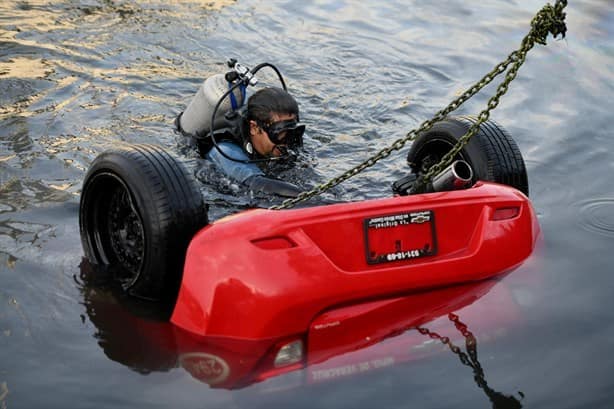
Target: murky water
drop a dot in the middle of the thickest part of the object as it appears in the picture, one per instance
(77, 77)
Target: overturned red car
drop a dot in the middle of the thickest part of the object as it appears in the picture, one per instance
(283, 276)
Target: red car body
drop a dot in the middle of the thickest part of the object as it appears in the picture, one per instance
(270, 274)
(364, 338)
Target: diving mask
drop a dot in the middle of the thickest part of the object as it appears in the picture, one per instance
(288, 132)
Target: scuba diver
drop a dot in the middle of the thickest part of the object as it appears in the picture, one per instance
(237, 137)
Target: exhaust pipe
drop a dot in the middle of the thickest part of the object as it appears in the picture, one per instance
(456, 176)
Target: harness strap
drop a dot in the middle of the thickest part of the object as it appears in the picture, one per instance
(233, 100)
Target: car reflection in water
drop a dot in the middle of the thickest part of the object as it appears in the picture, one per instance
(344, 342)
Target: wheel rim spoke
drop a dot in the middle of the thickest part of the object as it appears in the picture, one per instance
(126, 235)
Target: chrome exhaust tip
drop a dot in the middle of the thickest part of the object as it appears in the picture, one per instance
(457, 175)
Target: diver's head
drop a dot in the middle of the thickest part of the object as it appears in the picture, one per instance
(273, 121)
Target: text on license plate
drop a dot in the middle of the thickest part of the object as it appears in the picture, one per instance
(401, 236)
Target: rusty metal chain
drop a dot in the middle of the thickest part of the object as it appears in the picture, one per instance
(547, 17)
(549, 20)
(471, 357)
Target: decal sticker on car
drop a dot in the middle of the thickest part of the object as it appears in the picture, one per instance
(208, 368)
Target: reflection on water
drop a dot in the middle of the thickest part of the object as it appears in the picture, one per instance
(139, 337)
(25, 68)
(77, 78)
(470, 359)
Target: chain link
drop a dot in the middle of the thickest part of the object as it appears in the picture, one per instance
(550, 19)
(470, 359)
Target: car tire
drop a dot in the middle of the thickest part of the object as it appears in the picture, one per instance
(139, 209)
(492, 153)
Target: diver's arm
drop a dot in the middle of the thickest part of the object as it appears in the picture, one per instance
(249, 174)
(235, 170)
(269, 185)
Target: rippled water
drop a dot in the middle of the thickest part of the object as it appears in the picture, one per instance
(77, 77)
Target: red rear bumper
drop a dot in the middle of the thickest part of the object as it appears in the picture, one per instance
(266, 274)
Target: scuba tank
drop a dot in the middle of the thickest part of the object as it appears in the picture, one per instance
(196, 119)
(218, 96)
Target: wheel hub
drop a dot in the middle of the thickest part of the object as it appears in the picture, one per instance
(126, 234)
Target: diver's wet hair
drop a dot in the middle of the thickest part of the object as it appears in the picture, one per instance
(268, 100)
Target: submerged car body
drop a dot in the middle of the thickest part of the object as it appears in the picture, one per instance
(267, 274)
(366, 337)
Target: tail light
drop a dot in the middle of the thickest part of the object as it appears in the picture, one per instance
(504, 213)
(284, 356)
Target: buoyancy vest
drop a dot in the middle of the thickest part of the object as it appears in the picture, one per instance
(235, 129)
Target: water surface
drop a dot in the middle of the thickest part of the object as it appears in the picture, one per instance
(78, 77)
